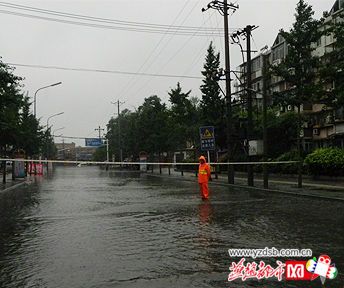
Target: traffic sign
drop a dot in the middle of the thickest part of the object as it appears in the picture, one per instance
(207, 136)
(94, 142)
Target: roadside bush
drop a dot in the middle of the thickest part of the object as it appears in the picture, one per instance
(285, 168)
(326, 161)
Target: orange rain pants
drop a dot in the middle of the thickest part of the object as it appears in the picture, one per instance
(204, 190)
(203, 178)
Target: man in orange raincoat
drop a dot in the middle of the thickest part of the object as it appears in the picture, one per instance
(203, 177)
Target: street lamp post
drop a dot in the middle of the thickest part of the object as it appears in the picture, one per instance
(57, 129)
(57, 114)
(54, 131)
(34, 101)
(47, 146)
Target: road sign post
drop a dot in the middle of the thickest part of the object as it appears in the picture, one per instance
(207, 137)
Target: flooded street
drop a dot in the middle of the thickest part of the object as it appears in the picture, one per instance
(86, 227)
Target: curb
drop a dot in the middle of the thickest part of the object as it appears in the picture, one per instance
(13, 187)
(257, 188)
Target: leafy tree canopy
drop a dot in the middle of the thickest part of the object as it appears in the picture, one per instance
(298, 68)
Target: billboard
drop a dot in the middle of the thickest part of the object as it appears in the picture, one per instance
(93, 142)
(19, 169)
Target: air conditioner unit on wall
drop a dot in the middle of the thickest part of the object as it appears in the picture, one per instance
(316, 131)
(277, 62)
(328, 119)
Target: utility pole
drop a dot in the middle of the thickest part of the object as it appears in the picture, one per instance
(107, 153)
(119, 129)
(223, 8)
(119, 134)
(63, 149)
(107, 150)
(99, 131)
(247, 32)
(298, 139)
(265, 130)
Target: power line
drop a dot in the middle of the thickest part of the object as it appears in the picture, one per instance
(174, 55)
(126, 88)
(103, 20)
(166, 44)
(123, 25)
(101, 71)
(202, 49)
(69, 137)
(128, 29)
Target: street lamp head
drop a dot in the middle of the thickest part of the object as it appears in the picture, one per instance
(57, 114)
(34, 101)
(58, 129)
(55, 84)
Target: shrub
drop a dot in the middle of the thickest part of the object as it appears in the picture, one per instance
(326, 161)
(290, 168)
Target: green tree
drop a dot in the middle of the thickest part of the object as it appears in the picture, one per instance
(11, 101)
(212, 104)
(282, 132)
(183, 126)
(153, 126)
(299, 67)
(332, 71)
(143, 130)
(48, 148)
(100, 154)
(30, 135)
(128, 128)
(19, 129)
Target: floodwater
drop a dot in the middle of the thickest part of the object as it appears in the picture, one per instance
(86, 227)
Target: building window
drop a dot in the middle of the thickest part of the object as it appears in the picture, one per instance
(256, 64)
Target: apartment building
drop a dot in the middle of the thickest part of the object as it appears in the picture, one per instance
(71, 152)
(65, 151)
(323, 126)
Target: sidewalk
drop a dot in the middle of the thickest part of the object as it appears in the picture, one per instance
(10, 184)
(326, 189)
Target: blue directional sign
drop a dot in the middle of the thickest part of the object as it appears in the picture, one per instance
(207, 136)
(94, 142)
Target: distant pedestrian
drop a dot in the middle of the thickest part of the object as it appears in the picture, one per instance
(204, 176)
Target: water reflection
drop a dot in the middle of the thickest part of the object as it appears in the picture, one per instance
(205, 210)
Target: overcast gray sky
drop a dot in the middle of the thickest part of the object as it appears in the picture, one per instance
(85, 97)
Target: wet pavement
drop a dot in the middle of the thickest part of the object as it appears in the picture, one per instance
(286, 184)
(86, 227)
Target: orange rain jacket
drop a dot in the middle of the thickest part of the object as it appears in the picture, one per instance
(203, 171)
